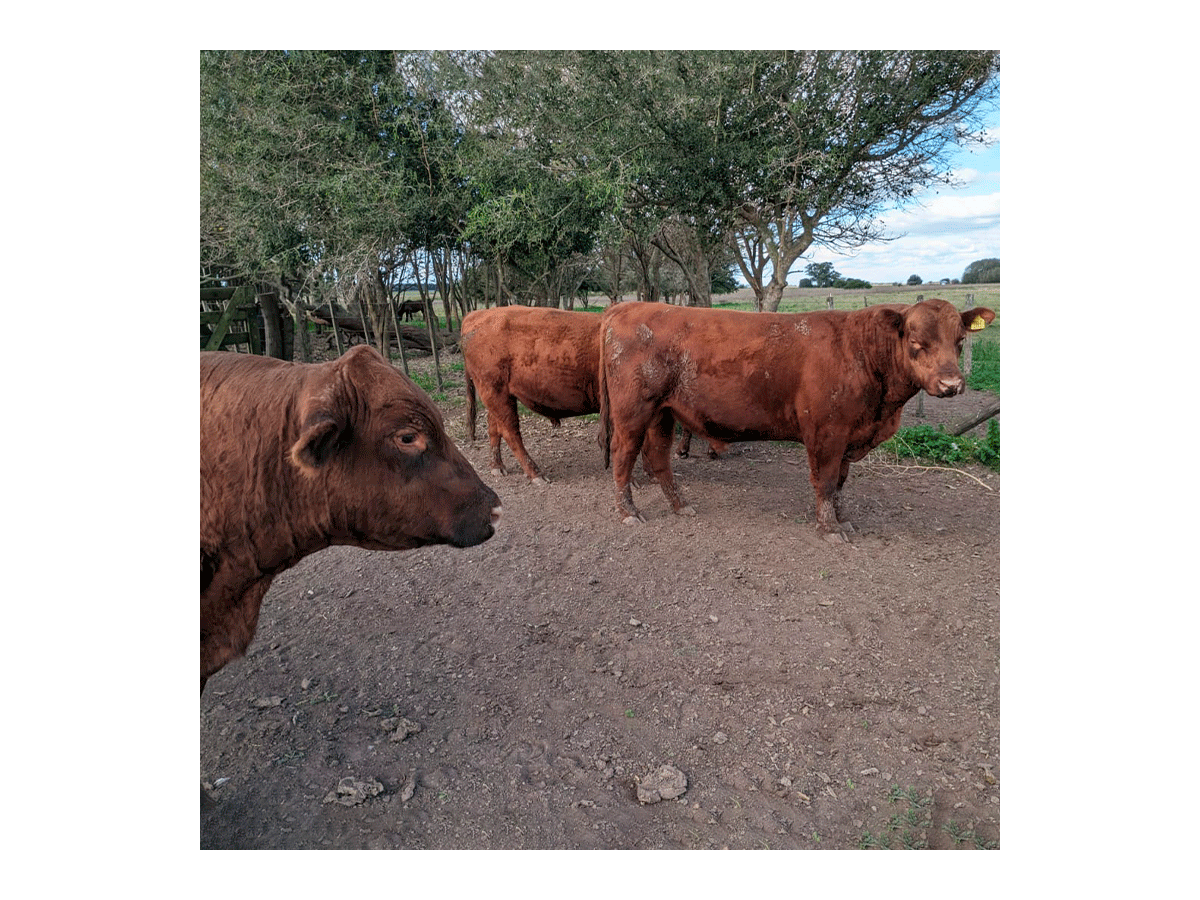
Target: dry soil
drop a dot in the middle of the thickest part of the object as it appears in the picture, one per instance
(528, 692)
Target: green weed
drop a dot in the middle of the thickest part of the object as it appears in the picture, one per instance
(909, 826)
(934, 444)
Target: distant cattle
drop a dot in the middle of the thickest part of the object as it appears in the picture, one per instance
(407, 309)
(835, 381)
(298, 457)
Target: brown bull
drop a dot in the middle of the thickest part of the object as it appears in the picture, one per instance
(296, 457)
(835, 381)
(548, 359)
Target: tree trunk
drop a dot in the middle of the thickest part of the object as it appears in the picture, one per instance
(373, 301)
(297, 347)
(751, 256)
(268, 301)
(399, 337)
(683, 246)
(773, 294)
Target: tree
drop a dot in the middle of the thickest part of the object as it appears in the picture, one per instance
(648, 125)
(982, 271)
(822, 274)
(301, 181)
(322, 172)
(723, 280)
(847, 134)
(913, 280)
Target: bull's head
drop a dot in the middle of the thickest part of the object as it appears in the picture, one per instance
(373, 447)
(931, 336)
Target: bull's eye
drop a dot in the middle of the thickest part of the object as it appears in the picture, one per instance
(409, 440)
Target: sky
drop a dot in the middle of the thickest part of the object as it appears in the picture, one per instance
(943, 232)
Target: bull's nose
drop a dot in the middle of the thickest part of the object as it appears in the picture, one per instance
(948, 387)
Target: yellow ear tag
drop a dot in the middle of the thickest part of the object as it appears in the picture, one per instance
(977, 324)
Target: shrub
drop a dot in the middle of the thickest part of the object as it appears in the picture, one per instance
(934, 444)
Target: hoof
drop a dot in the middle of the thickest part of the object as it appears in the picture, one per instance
(633, 520)
(539, 479)
(685, 510)
(835, 537)
(498, 470)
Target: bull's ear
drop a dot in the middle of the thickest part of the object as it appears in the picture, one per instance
(318, 441)
(891, 320)
(977, 319)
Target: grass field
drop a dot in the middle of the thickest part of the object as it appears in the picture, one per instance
(809, 299)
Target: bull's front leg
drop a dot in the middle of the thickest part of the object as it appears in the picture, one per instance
(827, 471)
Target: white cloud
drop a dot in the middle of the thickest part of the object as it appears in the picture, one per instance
(965, 176)
(948, 213)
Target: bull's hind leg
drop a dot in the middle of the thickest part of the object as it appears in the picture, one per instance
(494, 443)
(625, 448)
(508, 425)
(658, 461)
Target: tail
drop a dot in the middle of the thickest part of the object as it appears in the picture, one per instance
(604, 438)
(470, 406)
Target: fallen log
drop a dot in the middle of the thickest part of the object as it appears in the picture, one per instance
(982, 416)
(414, 337)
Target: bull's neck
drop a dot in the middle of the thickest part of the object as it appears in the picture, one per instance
(293, 524)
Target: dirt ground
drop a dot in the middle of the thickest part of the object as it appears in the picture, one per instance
(522, 694)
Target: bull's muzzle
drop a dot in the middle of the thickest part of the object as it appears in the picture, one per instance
(948, 386)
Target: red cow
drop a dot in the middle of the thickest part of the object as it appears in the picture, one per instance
(548, 359)
(835, 381)
(298, 457)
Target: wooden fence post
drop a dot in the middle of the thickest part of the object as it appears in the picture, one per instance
(965, 425)
(966, 353)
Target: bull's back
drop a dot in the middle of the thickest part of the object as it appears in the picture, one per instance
(727, 374)
(234, 375)
(545, 358)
